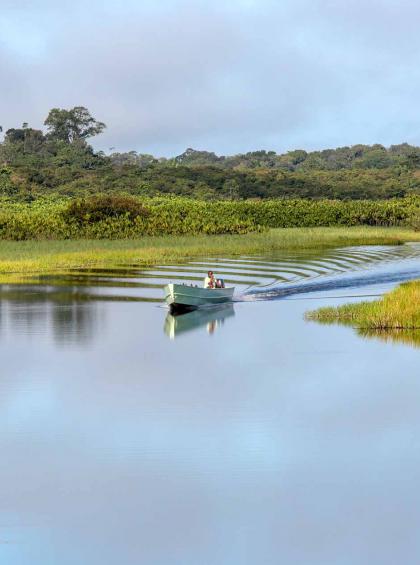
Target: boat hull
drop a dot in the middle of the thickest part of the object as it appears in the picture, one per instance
(181, 297)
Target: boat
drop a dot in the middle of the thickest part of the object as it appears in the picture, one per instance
(181, 297)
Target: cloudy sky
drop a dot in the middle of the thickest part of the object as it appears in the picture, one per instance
(224, 75)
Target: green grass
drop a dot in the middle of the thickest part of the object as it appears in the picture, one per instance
(395, 317)
(22, 258)
(397, 310)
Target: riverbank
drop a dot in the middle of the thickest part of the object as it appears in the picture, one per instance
(397, 310)
(23, 258)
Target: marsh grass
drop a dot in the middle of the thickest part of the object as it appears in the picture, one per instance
(395, 317)
(18, 259)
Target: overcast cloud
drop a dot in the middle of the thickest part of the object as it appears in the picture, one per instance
(227, 76)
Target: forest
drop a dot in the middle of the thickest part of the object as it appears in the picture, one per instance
(59, 160)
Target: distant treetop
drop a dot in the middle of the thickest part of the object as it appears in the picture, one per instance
(71, 125)
(60, 159)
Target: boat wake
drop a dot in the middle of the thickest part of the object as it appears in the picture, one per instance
(329, 284)
(267, 277)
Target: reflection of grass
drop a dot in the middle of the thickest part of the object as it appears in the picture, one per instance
(21, 258)
(409, 337)
(395, 317)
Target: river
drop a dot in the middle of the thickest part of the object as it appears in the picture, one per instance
(239, 436)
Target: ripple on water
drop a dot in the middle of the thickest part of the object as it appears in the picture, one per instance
(255, 277)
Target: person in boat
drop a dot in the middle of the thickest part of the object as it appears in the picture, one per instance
(211, 282)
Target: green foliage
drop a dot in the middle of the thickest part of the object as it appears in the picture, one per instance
(98, 208)
(414, 221)
(61, 161)
(211, 182)
(119, 217)
(355, 157)
(6, 185)
(72, 125)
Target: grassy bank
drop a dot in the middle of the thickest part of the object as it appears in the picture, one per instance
(397, 310)
(393, 318)
(29, 257)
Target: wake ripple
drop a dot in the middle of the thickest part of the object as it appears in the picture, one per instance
(255, 277)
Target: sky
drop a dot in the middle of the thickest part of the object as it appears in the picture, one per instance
(228, 76)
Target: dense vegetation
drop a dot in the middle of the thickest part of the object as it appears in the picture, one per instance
(53, 185)
(119, 216)
(59, 160)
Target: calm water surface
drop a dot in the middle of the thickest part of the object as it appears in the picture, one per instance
(241, 436)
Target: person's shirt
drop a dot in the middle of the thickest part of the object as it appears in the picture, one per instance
(209, 282)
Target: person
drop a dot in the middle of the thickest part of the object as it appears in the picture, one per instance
(210, 280)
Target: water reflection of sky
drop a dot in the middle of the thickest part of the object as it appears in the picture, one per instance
(272, 440)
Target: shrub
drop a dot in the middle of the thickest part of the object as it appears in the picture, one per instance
(415, 221)
(6, 185)
(121, 216)
(94, 209)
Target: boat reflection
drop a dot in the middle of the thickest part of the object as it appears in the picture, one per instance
(213, 318)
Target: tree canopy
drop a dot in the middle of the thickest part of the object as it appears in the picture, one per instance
(72, 125)
(60, 160)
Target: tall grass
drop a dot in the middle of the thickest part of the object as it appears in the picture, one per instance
(397, 310)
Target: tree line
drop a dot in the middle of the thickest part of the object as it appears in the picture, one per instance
(60, 160)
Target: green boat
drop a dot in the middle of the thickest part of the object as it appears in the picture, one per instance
(181, 297)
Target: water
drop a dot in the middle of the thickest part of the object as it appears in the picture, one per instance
(240, 436)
